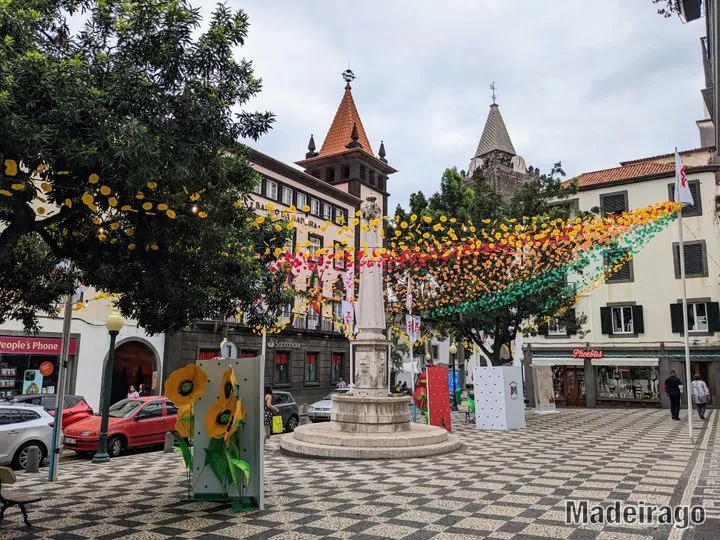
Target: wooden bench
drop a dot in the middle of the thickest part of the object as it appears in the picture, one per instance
(7, 476)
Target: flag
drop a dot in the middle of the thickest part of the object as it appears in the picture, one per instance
(682, 188)
(408, 297)
(347, 313)
(409, 327)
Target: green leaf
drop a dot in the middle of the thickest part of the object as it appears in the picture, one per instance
(243, 465)
(217, 460)
(184, 450)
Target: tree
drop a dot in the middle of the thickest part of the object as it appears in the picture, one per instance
(120, 153)
(540, 198)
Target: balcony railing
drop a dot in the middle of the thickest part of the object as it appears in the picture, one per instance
(326, 325)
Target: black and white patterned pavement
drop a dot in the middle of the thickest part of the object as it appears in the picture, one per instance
(505, 485)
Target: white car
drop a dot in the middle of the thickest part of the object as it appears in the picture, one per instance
(320, 410)
(21, 428)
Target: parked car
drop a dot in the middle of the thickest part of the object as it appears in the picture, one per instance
(320, 410)
(22, 427)
(288, 409)
(75, 408)
(133, 423)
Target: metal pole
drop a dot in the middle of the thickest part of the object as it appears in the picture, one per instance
(685, 327)
(101, 456)
(56, 448)
(454, 401)
(263, 347)
(352, 366)
(412, 382)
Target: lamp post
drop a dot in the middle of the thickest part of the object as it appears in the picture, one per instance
(114, 324)
(453, 351)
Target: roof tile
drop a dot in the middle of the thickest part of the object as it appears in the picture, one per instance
(628, 172)
(338, 135)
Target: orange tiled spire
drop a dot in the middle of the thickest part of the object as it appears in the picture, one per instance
(340, 133)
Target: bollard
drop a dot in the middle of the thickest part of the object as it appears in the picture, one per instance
(34, 455)
(169, 443)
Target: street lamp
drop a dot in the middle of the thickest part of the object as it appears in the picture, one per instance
(453, 352)
(114, 324)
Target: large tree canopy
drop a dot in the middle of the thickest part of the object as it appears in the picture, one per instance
(477, 205)
(119, 151)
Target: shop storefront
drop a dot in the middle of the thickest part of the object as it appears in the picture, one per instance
(28, 365)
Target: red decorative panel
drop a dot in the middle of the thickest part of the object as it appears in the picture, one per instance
(439, 397)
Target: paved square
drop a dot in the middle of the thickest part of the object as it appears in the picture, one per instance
(506, 485)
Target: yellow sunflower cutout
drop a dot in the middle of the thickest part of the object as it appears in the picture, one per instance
(238, 415)
(185, 385)
(185, 421)
(228, 385)
(219, 418)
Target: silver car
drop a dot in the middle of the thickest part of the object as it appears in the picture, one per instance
(23, 427)
(320, 410)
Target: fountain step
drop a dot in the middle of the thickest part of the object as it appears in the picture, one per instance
(290, 445)
(331, 434)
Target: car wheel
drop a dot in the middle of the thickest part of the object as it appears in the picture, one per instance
(114, 446)
(21, 456)
(292, 423)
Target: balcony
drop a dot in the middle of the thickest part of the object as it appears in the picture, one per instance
(309, 323)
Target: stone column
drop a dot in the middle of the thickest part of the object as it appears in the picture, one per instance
(371, 361)
(590, 385)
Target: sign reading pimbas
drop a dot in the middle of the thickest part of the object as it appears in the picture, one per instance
(582, 353)
(639, 513)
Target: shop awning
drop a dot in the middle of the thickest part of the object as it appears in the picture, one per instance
(610, 361)
(558, 361)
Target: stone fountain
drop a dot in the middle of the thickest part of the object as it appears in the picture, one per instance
(367, 422)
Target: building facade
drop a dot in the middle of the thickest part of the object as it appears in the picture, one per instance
(312, 354)
(633, 336)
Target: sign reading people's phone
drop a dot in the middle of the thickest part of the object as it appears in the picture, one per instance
(34, 345)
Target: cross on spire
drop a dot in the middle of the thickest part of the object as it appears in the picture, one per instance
(493, 88)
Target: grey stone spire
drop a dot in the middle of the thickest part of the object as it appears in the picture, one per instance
(381, 152)
(311, 148)
(495, 135)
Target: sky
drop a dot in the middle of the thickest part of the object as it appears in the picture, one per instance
(586, 83)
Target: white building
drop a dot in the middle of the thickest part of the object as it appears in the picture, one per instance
(633, 334)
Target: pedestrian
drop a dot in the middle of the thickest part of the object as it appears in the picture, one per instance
(132, 393)
(342, 383)
(700, 395)
(270, 411)
(141, 389)
(673, 388)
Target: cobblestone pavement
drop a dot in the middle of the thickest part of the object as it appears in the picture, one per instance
(506, 485)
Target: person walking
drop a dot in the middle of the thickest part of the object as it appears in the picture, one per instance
(132, 393)
(700, 395)
(270, 411)
(673, 386)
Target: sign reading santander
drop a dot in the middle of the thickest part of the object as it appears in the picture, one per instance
(34, 345)
(582, 353)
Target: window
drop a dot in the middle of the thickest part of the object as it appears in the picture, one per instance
(279, 398)
(702, 316)
(151, 410)
(628, 382)
(6, 417)
(271, 190)
(282, 367)
(372, 178)
(315, 207)
(690, 210)
(340, 216)
(290, 242)
(622, 320)
(434, 352)
(623, 274)
(557, 327)
(330, 174)
(286, 312)
(363, 172)
(614, 203)
(327, 211)
(170, 408)
(311, 367)
(208, 354)
(313, 317)
(695, 259)
(257, 188)
(381, 182)
(338, 256)
(248, 354)
(287, 195)
(316, 243)
(345, 172)
(301, 199)
(338, 359)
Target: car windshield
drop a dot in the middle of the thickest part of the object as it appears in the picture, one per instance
(335, 392)
(124, 408)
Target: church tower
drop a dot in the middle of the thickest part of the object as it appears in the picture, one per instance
(496, 158)
(346, 159)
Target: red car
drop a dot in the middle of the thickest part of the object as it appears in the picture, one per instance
(75, 408)
(133, 423)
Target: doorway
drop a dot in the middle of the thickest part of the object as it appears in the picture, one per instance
(569, 385)
(135, 365)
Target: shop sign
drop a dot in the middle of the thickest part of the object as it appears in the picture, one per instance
(582, 353)
(34, 345)
(284, 214)
(284, 344)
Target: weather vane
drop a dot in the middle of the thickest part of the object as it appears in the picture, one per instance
(348, 75)
(493, 88)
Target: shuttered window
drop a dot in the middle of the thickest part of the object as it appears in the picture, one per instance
(695, 259)
(702, 317)
(614, 203)
(622, 274)
(691, 210)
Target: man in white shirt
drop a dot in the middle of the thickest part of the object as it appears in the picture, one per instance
(700, 395)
